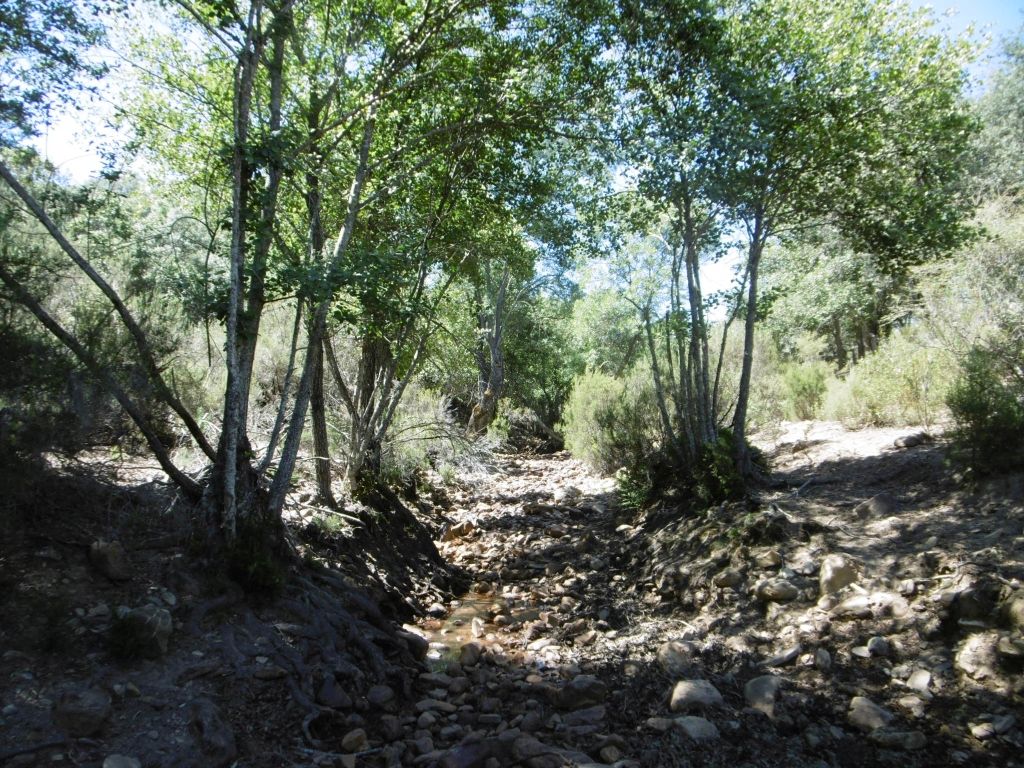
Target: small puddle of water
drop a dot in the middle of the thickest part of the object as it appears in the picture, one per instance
(447, 636)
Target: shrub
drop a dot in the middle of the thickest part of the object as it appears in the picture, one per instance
(987, 404)
(715, 478)
(805, 385)
(903, 382)
(611, 423)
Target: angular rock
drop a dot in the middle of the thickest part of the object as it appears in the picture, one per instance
(978, 655)
(121, 761)
(150, 628)
(912, 440)
(110, 559)
(589, 716)
(770, 558)
(212, 735)
(837, 571)
(729, 578)
(459, 531)
(582, 691)
(777, 591)
(417, 644)
(919, 681)
(355, 741)
(1012, 610)
(435, 705)
(694, 694)
(330, 694)
(697, 728)
(82, 713)
(881, 505)
(891, 739)
(761, 693)
(781, 659)
(856, 607)
(676, 657)
(866, 715)
(470, 653)
(380, 695)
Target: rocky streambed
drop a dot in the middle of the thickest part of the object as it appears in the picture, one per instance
(865, 610)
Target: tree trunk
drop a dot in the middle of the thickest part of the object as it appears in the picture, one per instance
(492, 370)
(321, 445)
(739, 422)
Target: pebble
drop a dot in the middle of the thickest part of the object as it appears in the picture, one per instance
(121, 761)
(676, 657)
(879, 646)
(919, 681)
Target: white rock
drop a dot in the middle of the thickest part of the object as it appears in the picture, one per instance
(837, 571)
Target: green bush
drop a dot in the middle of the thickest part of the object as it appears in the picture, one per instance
(805, 385)
(987, 404)
(611, 423)
(716, 479)
(903, 382)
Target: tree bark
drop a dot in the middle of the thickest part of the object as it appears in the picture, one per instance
(739, 422)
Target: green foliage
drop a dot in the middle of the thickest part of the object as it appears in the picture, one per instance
(715, 478)
(42, 55)
(425, 435)
(805, 385)
(612, 424)
(903, 382)
(999, 146)
(987, 403)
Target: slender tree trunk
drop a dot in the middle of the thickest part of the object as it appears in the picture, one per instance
(659, 392)
(233, 430)
(289, 454)
(756, 248)
(321, 445)
(251, 314)
(492, 385)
